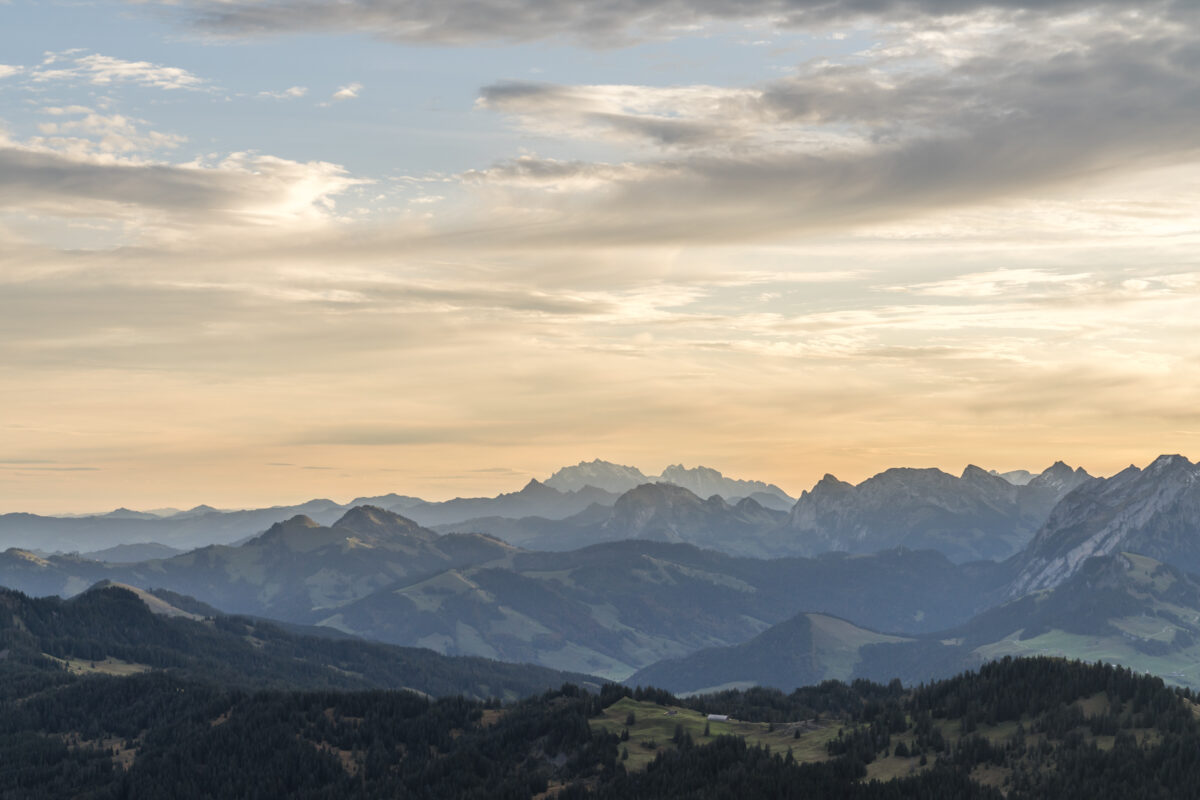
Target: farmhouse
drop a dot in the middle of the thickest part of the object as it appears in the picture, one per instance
(718, 718)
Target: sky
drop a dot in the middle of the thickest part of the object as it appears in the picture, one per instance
(257, 251)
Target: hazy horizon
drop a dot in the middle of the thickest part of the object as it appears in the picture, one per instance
(517, 481)
(257, 252)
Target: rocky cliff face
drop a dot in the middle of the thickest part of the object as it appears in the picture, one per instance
(706, 481)
(977, 515)
(601, 474)
(1154, 511)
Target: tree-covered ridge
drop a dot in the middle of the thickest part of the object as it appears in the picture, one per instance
(1032, 728)
(112, 625)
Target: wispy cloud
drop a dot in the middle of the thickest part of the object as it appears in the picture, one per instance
(291, 93)
(82, 132)
(348, 92)
(102, 70)
(601, 23)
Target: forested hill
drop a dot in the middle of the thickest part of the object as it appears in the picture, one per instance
(1035, 728)
(112, 631)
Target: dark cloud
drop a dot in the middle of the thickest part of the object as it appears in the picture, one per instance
(600, 22)
(242, 188)
(1002, 123)
(28, 176)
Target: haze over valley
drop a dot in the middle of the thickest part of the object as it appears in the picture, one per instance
(916, 571)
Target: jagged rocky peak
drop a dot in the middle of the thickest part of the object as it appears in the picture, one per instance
(749, 505)
(975, 515)
(1062, 477)
(1165, 463)
(912, 476)
(1152, 511)
(706, 481)
(716, 502)
(829, 485)
(982, 476)
(679, 471)
(908, 482)
(601, 474)
(537, 488)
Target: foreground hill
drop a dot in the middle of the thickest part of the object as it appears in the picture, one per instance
(1124, 609)
(118, 630)
(1022, 729)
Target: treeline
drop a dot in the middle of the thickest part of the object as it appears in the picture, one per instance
(1077, 730)
(1066, 729)
(236, 651)
(195, 740)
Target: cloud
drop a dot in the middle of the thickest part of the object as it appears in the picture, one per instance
(102, 70)
(999, 282)
(903, 132)
(603, 22)
(8, 70)
(88, 133)
(287, 94)
(242, 188)
(348, 92)
(678, 116)
(59, 111)
(982, 222)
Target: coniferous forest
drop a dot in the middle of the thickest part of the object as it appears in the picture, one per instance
(1021, 728)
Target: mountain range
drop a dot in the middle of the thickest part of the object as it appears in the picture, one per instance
(976, 516)
(917, 572)
(660, 512)
(560, 497)
(607, 609)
